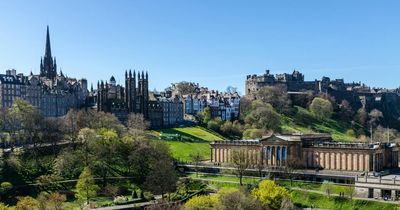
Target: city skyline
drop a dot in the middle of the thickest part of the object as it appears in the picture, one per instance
(108, 40)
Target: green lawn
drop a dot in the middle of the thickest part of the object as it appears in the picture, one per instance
(189, 133)
(308, 199)
(181, 151)
(248, 180)
(184, 142)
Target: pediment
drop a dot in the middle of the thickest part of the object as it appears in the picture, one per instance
(279, 138)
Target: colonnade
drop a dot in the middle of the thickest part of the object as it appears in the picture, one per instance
(337, 160)
(224, 155)
(275, 155)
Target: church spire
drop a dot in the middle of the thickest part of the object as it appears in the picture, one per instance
(48, 47)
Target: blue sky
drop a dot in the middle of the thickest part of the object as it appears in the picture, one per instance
(214, 43)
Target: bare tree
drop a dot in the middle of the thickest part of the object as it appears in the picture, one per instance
(137, 122)
(240, 162)
(196, 159)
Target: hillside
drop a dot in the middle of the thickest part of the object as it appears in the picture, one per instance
(304, 122)
(184, 142)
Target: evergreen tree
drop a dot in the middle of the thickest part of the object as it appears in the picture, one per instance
(86, 188)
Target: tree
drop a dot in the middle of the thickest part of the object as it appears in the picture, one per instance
(237, 199)
(270, 194)
(346, 112)
(27, 203)
(104, 151)
(137, 122)
(375, 116)
(196, 159)
(263, 116)
(56, 200)
(202, 202)
(253, 134)
(327, 187)
(350, 191)
(321, 108)
(205, 115)
(240, 163)
(361, 116)
(184, 87)
(162, 178)
(70, 124)
(275, 95)
(86, 187)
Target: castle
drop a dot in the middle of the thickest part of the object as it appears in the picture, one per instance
(357, 94)
(51, 92)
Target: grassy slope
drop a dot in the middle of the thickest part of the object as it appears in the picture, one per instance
(337, 128)
(196, 140)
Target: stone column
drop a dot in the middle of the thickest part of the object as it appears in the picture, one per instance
(361, 164)
(211, 154)
(344, 161)
(328, 160)
(355, 162)
(349, 162)
(322, 159)
(374, 163)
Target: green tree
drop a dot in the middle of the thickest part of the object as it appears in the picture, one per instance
(205, 115)
(203, 202)
(86, 187)
(321, 108)
(240, 163)
(162, 177)
(263, 116)
(270, 194)
(253, 133)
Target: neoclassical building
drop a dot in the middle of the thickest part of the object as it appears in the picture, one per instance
(312, 151)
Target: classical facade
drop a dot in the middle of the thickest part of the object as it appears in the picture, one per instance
(312, 151)
(51, 92)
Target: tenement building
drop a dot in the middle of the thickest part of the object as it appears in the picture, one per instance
(312, 151)
(51, 92)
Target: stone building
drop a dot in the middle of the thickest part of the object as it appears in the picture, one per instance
(312, 151)
(121, 101)
(51, 92)
(135, 97)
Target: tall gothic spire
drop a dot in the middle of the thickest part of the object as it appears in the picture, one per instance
(48, 47)
(48, 67)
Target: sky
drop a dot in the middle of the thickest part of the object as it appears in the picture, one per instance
(212, 42)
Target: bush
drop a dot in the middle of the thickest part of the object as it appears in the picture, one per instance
(321, 108)
(253, 134)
